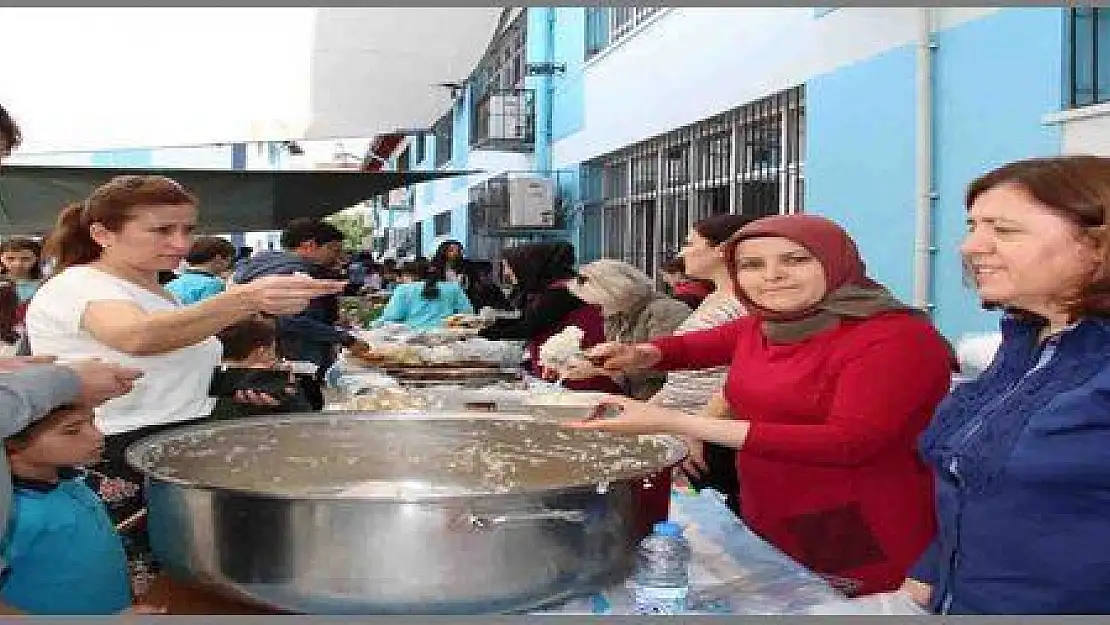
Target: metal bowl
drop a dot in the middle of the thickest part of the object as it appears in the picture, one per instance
(399, 512)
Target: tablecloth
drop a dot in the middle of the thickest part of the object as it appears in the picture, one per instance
(733, 570)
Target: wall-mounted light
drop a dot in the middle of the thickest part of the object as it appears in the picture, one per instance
(455, 88)
(545, 69)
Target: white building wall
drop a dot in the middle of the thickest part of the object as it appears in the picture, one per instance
(692, 63)
(1086, 130)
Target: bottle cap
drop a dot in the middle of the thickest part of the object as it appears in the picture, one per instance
(667, 528)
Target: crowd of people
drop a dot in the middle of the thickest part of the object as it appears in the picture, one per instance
(821, 405)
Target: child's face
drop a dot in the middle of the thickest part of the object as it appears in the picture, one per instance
(265, 356)
(69, 438)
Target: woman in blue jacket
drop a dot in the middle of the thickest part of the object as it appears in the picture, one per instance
(426, 301)
(1021, 455)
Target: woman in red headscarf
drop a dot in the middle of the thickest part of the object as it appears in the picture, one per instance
(832, 379)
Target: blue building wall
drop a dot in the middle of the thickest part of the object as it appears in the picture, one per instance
(995, 78)
(860, 159)
(123, 158)
(568, 92)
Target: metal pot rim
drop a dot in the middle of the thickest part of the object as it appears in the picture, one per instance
(676, 452)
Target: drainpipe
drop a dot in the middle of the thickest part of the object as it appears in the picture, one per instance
(924, 244)
(548, 94)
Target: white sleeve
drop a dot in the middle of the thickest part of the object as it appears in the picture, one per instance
(67, 297)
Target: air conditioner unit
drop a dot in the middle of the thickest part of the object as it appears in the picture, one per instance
(531, 203)
(479, 219)
(506, 117)
(399, 197)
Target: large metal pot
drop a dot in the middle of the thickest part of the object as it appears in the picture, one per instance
(398, 513)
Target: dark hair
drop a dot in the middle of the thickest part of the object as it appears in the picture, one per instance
(207, 249)
(306, 229)
(675, 265)
(439, 259)
(718, 228)
(23, 244)
(242, 338)
(421, 270)
(110, 205)
(537, 265)
(10, 132)
(22, 438)
(9, 307)
(1077, 188)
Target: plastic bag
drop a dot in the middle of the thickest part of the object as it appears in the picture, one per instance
(740, 573)
(733, 571)
(886, 604)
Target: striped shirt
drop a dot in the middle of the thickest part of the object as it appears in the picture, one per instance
(689, 391)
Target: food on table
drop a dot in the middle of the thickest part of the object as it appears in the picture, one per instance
(388, 355)
(464, 321)
(562, 348)
(385, 399)
(333, 455)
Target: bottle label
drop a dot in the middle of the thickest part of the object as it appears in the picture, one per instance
(660, 600)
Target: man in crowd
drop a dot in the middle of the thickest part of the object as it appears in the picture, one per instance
(312, 247)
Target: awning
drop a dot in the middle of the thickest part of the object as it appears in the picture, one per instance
(95, 78)
(230, 201)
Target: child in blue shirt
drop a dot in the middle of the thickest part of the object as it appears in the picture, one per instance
(424, 301)
(208, 259)
(64, 554)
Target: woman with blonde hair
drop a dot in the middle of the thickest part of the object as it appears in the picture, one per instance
(633, 310)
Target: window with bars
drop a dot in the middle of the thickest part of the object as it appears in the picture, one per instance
(607, 25)
(503, 65)
(747, 161)
(1088, 56)
(414, 241)
(444, 130)
(418, 143)
(441, 224)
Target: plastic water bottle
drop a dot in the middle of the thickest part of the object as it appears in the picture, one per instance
(662, 578)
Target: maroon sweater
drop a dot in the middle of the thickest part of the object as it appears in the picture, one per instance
(830, 472)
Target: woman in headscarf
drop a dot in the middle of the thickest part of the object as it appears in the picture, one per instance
(540, 273)
(832, 379)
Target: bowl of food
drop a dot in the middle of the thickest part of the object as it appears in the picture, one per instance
(564, 405)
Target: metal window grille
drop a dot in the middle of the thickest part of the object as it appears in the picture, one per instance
(647, 196)
(414, 242)
(502, 67)
(444, 130)
(418, 146)
(441, 224)
(1088, 42)
(504, 119)
(607, 25)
